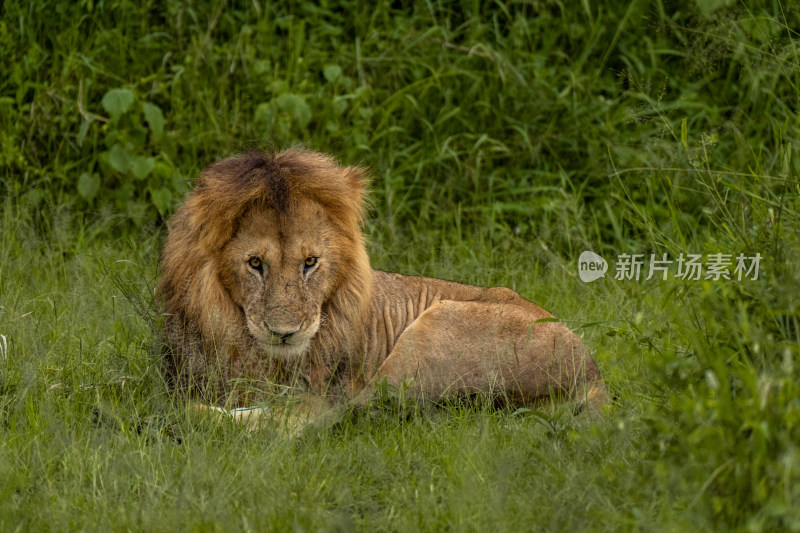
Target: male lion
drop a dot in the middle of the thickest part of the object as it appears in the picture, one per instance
(267, 283)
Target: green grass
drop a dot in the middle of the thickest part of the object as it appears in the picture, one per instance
(504, 138)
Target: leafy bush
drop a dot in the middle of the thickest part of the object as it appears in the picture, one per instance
(495, 113)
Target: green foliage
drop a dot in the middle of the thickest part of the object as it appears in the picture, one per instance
(453, 103)
(504, 138)
(133, 178)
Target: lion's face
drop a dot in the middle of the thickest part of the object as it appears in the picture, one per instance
(280, 273)
(265, 259)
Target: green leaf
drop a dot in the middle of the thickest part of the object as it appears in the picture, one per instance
(88, 185)
(278, 86)
(296, 106)
(83, 130)
(332, 72)
(120, 157)
(685, 134)
(154, 118)
(142, 166)
(117, 101)
(365, 112)
(262, 113)
(162, 199)
(527, 411)
(339, 105)
(32, 198)
(591, 324)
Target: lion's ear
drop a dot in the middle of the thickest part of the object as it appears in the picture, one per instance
(223, 192)
(358, 182)
(212, 220)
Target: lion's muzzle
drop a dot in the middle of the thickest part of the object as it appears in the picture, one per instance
(284, 340)
(282, 335)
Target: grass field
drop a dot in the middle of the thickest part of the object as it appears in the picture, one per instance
(504, 139)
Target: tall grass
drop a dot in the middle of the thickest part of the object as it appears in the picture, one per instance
(504, 138)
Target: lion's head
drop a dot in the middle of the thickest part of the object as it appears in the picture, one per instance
(265, 259)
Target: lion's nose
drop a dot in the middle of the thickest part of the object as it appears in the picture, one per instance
(283, 334)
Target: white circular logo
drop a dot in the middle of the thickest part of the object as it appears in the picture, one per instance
(591, 266)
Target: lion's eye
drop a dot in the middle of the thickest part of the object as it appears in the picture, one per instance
(309, 263)
(254, 262)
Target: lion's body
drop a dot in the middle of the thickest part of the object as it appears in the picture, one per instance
(266, 282)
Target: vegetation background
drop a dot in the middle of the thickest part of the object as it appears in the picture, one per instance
(504, 138)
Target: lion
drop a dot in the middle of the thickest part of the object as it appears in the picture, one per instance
(267, 287)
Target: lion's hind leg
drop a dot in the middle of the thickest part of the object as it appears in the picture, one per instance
(495, 349)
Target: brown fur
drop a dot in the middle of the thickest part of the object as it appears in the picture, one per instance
(335, 327)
